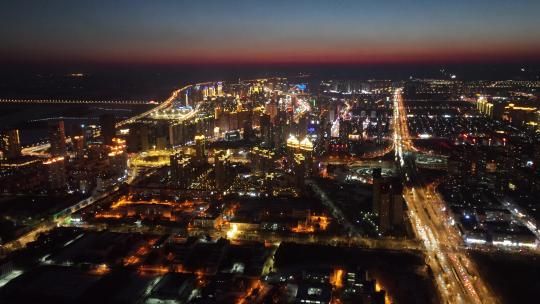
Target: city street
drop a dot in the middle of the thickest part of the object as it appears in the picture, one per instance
(455, 274)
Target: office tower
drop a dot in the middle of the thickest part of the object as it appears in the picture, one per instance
(345, 128)
(175, 171)
(248, 130)
(220, 163)
(332, 113)
(299, 162)
(387, 201)
(219, 89)
(10, 144)
(271, 109)
(161, 143)
(181, 170)
(138, 138)
(279, 129)
(200, 148)
(266, 130)
(91, 134)
(108, 128)
(385, 207)
(397, 203)
(78, 145)
(301, 126)
(262, 160)
(56, 173)
(118, 158)
(377, 183)
(57, 138)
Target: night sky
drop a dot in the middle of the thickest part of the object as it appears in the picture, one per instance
(353, 31)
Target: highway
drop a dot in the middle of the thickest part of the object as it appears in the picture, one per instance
(44, 226)
(456, 276)
(167, 103)
(60, 217)
(39, 150)
(337, 213)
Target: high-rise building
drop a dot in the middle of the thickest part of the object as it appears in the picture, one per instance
(91, 134)
(397, 203)
(387, 201)
(57, 138)
(10, 144)
(271, 109)
(262, 160)
(345, 128)
(181, 170)
(138, 138)
(56, 173)
(266, 130)
(108, 128)
(299, 162)
(377, 184)
(219, 89)
(200, 148)
(118, 158)
(385, 207)
(78, 145)
(248, 130)
(220, 163)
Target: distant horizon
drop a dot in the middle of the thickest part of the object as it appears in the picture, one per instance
(232, 71)
(278, 32)
(423, 59)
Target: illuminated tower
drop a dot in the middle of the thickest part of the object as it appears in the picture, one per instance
(108, 128)
(78, 145)
(266, 130)
(200, 148)
(10, 144)
(56, 173)
(299, 162)
(219, 89)
(220, 169)
(385, 207)
(397, 216)
(57, 138)
(180, 169)
(377, 183)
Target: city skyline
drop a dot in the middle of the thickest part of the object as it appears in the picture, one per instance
(327, 152)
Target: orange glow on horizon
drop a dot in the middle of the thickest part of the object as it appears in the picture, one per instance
(386, 54)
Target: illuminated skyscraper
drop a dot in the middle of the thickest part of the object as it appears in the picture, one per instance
(266, 130)
(377, 183)
(10, 144)
(138, 138)
(220, 170)
(396, 212)
(387, 201)
(108, 128)
(181, 170)
(57, 138)
(200, 148)
(78, 145)
(56, 173)
(299, 162)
